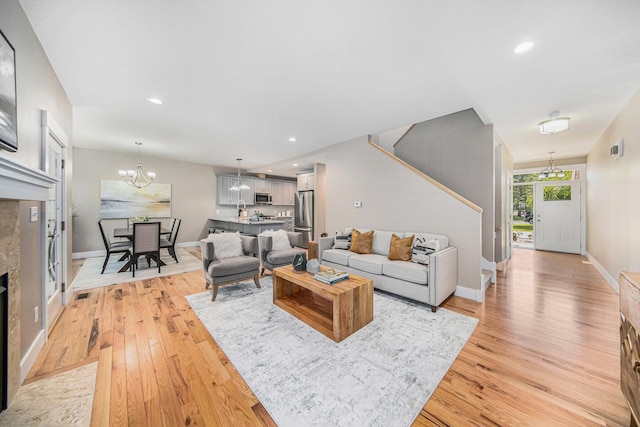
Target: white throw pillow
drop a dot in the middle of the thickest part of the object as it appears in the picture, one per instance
(279, 239)
(226, 245)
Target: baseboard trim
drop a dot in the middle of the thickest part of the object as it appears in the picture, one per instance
(30, 358)
(92, 254)
(472, 294)
(604, 273)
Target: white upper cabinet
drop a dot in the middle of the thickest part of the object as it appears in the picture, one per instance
(306, 181)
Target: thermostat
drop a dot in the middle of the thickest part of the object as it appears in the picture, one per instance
(357, 204)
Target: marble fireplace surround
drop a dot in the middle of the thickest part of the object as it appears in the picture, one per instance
(17, 182)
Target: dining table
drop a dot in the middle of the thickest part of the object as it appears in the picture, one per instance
(127, 232)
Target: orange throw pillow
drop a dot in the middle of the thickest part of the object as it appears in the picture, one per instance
(400, 249)
(361, 243)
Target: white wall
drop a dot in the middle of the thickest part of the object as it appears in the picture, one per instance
(193, 193)
(397, 199)
(613, 198)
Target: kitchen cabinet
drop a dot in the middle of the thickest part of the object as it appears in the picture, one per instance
(306, 181)
(276, 192)
(289, 190)
(262, 186)
(228, 197)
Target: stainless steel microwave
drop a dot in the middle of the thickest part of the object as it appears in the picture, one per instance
(263, 199)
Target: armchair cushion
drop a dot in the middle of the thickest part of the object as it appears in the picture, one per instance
(280, 239)
(232, 266)
(283, 257)
(226, 245)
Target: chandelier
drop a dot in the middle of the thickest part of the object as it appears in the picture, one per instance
(137, 178)
(551, 171)
(554, 124)
(238, 185)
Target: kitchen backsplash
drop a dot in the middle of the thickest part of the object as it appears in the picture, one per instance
(230, 212)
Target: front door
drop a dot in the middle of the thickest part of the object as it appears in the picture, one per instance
(557, 216)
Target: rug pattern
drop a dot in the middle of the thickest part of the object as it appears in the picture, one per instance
(382, 375)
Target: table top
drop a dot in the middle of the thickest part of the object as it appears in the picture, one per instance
(128, 232)
(306, 280)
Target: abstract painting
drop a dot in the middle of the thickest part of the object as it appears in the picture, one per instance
(120, 200)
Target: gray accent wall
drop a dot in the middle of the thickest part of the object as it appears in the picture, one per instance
(613, 202)
(395, 198)
(457, 151)
(193, 193)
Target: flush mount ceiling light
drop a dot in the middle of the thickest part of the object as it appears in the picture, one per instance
(238, 185)
(155, 101)
(554, 124)
(551, 171)
(137, 178)
(523, 47)
(292, 139)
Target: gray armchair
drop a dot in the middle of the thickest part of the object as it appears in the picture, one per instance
(272, 259)
(218, 272)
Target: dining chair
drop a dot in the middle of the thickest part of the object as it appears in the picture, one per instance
(120, 247)
(146, 242)
(170, 243)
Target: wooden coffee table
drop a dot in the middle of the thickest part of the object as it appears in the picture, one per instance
(336, 311)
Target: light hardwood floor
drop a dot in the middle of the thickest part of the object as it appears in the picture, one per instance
(545, 352)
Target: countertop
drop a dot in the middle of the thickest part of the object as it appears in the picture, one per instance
(248, 221)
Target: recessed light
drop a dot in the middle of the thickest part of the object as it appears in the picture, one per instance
(269, 170)
(523, 47)
(154, 101)
(295, 165)
(292, 139)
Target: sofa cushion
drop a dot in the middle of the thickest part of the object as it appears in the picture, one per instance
(400, 248)
(284, 256)
(422, 237)
(407, 271)
(231, 266)
(361, 242)
(371, 263)
(382, 240)
(342, 241)
(337, 256)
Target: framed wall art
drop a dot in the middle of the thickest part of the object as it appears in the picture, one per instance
(120, 200)
(8, 104)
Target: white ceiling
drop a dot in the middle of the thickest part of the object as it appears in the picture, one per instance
(239, 78)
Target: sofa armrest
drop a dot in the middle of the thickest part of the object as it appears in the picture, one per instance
(324, 243)
(443, 274)
(208, 253)
(295, 238)
(265, 243)
(249, 245)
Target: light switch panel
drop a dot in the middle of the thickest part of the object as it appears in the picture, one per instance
(33, 214)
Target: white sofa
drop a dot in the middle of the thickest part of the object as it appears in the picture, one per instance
(429, 283)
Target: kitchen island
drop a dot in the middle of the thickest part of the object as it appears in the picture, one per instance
(245, 226)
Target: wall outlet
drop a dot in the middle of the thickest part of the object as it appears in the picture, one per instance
(35, 314)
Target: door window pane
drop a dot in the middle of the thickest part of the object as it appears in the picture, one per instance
(557, 192)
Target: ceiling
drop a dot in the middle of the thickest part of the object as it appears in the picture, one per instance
(239, 78)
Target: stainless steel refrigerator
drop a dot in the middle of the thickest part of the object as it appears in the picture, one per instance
(304, 216)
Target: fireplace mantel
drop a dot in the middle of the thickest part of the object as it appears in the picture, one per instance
(20, 182)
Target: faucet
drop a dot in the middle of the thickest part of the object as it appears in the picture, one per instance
(244, 204)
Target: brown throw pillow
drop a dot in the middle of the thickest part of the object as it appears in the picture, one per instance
(361, 242)
(400, 249)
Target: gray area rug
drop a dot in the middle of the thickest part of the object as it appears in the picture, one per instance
(382, 375)
(89, 275)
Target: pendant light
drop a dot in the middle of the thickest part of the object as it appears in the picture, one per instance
(238, 185)
(137, 178)
(551, 171)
